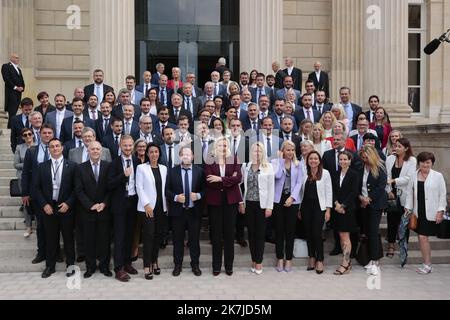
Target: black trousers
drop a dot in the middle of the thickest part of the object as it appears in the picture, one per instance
(256, 224)
(97, 242)
(40, 230)
(371, 219)
(190, 220)
(393, 223)
(285, 219)
(240, 226)
(124, 222)
(223, 221)
(79, 230)
(148, 238)
(53, 225)
(313, 217)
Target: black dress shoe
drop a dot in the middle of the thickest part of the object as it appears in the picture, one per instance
(107, 273)
(216, 273)
(242, 243)
(229, 272)
(37, 259)
(88, 274)
(156, 271)
(196, 271)
(47, 273)
(176, 271)
(81, 259)
(335, 252)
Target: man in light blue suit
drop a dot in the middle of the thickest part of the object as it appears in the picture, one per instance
(135, 95)
(288, 84)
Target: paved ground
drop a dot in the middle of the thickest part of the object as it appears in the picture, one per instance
(393, 283)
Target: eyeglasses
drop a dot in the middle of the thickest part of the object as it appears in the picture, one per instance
(29, 134)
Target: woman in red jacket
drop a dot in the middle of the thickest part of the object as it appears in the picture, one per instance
(223, 196)
(381, 125)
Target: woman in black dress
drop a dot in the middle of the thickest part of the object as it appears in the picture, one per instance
(427, 199)
(345, 194)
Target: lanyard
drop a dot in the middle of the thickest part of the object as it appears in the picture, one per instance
(55, 171)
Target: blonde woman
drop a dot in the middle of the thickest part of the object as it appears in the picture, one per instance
(338, 111)
(306, 146)
(233, 88)
(318, 138)
(288, 182)
(176, 82)
(258, 177)
(327, 121)
(339, 127)
(373, 198)
(392, 141)
(223, 196)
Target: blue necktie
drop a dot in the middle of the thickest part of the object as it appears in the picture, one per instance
(269, 148)
(186, 188)
(46, 156)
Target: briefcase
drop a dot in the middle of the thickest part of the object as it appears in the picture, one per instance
(14, 188)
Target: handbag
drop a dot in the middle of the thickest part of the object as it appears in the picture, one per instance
(393, 205)
(443, 231)
(412, 225)
(14, 188)
(362, 253)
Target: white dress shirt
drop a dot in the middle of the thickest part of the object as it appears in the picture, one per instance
(147, 138)
(59, 119)
(98, 91)
(57, 169)
(131, 184)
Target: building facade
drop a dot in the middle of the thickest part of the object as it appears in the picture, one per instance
(372, 46)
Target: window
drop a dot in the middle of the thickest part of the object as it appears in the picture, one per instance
(416, 57)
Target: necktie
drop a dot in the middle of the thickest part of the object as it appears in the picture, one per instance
(79, 143)
(187, 192)
(146, 90)
(210, 98)
(269, 148)
(162, 128)
(234, 146)
(188, 104)
(94, 115)
(287, 137)
(308, 113)
(127, 127)
(146, 138)
(163, 101)
(259, 94)
(215, 90)
(182, 138)
(97, 93)
(116, 141)
(254, 125)
(77, 119)
(106, 124)
(176, 114)
(27, 122)
(337, 160)
(280, 119)
(38, 136)
(46, 156)
(373, 117)
(263, 115)
(170, 156)
(319, 108)
(360, 142)
(96, 172)
(204, 145)
(128, 163)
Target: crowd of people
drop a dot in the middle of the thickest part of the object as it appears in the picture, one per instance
(147, 163)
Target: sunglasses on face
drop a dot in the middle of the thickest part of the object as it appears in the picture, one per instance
(29, 134)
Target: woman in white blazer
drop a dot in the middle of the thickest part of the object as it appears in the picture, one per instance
(150, 185)
(316, 203)
(318, 138)
(400, 167)
(259, 189)
(427, 199)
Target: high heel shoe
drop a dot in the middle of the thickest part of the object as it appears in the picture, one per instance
(156, 270)
(319, 271)
(148, 276)
(390, 253)
(347, 269)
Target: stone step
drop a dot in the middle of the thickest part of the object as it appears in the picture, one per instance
(10, 212)
(8, 173)
(7, 157)
(4, 181)
(7, 165)
(7, 201)
(4, 191)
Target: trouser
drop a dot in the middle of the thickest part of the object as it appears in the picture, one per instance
(137, 231)
(79, 231)
(240, 226)
(190, 219)
(223, 221)
(40, 230)
(54, 224)
(372, 220)
(148, 238)
(256, 224)
(314, 219)
(161, 223)
(97, 242)
(124, 222)
(393, 222)
(28, 214)
(12, 105)
(285, 219)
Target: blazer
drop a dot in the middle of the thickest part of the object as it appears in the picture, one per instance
(90, 90)
(247, 124)
(435, 195)
(279, 78)
(108, 142)
(196, 91)
(275, 147)
(157, 128)
(356, 110)
(386, 132)
(49, 109)
(323, 84)
(406, 174)
(69, 145)
(76, 155)
(266, 181)
(196, 106)
(183, 112)
(117, 182)
(281, 93)
(51, 119)
(347, 193)
(229, 184)
(324, 190)
(43, 187)
(90, 192)
(67, 127)
(280, 177)
(267, 91)
(29, 170)
(100, 129)
(117, 112)
(242, 150)
(16, 127)
(155, 79)
(169, 93)
(86, 115)
(326, 107)
(12, 79)
(174, 186)
(296, 140)
(138, 95)
(300, 115)
(376, 188)
(297, 77)
(134, 130)
(146, 186)
(19, 158)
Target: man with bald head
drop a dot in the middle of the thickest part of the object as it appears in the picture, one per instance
(91, 188)
(320, 79)
(14, 85)
(294, 72)
(146, 84)
(219, 89)
(279, 74)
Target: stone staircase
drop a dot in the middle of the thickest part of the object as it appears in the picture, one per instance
(16, 252)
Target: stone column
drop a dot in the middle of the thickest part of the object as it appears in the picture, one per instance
(385, 71)
(261, 34)
(3, 54)
(347, 43)
(112, 40)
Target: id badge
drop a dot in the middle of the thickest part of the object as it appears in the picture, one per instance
(55, 186)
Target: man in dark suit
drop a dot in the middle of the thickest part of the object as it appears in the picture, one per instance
(261, 90)
(91, 183)
(295, 73)
(185, 189)
(130, 125)
(54, 193)
(351, 109)
(125, 99)
(147, 84)
(146, 131)
(288, 84)
(374, 103)
(33, 157)
(121, 184)
(67, 124)
(163, 122)
(221, 66)
(14, 85)
(219, 89)
(288, 134)
(19, 122)
(190, 103)
(196, 91)
(252, 123)
(177, 110)
(112, 140)
(320, 79)
(77, 140)
(306, 112)
(91, 109)
(103, 125)
(157, 75)
(164, 93)
(98, 87)
(320, 104)
(279, 75)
